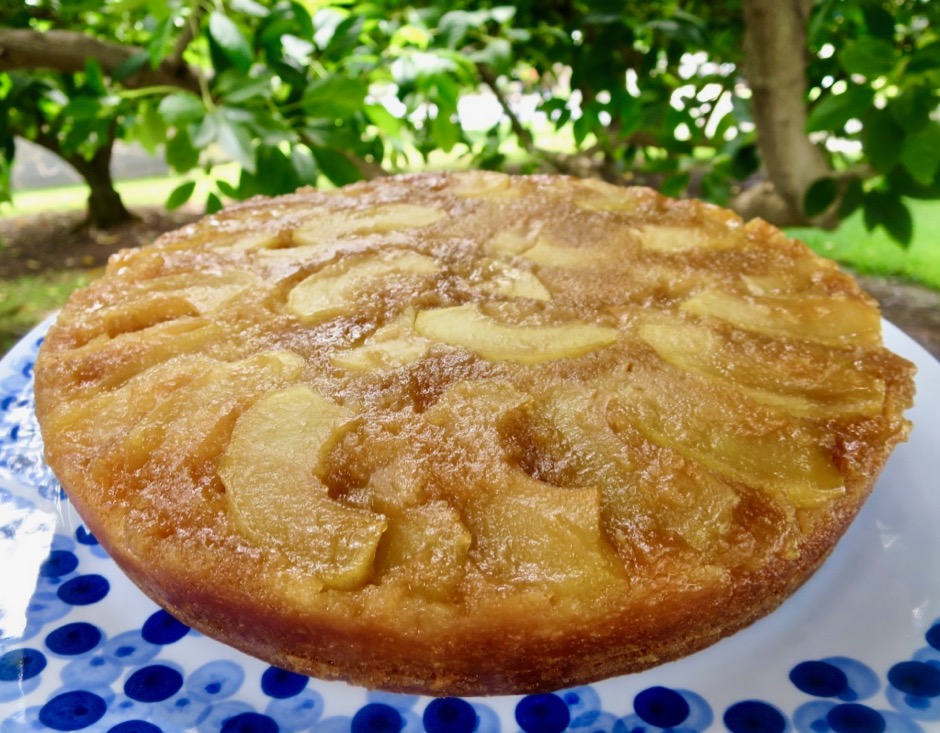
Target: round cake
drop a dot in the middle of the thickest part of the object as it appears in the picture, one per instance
(470, 433)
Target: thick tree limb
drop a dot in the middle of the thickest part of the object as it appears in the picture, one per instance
(67, 51)
(775, 69)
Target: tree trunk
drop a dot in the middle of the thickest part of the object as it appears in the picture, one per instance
(775, 68)
(105, 207)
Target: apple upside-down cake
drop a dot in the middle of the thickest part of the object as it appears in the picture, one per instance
(470, 433)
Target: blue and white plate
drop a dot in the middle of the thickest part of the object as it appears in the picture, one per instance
(856, 650)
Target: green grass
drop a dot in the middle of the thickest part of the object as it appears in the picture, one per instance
(874, 253)
(27, 299)
(137, 192)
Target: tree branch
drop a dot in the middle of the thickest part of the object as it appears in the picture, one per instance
(368, 169)
(175, 60)
(67, 51)
(519, 130)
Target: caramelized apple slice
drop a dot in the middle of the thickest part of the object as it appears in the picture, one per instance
(811, 381)
(97, 420)
(170, 297)
(393, 345)
(430, 541)
(729, 434)
(509, 281)
(333, 290)
(824, 319)
(485, 184)
(270, 474)
(206, 291)
(545, 252)
(536, 533)
(667, 238)
(541, 249)
(193, 422)
(465, 325)
(376, 220)
(510, 242)
(595, 195)
(108, 363)
(568, 441)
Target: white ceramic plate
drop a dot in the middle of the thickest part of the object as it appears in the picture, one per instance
(856, 650)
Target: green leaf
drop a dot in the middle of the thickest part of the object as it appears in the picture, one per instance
(345, 37)
(879, 21)
(871, 57)
(247, 185)
(445, 92)
(237, 89)
(820, 196)
(920, 154)
(455, 25)
(924, 59)
(226, 188)
(898, 222)
(873, 208)
(181, 154)
(389, 125)
(503, 13)
(249, 7)
(234, 138)
(126, 69)
(853, 195)
(82, 108)
(445, 132)
(745, 161)
(213, 203)
(94, 77)
(497, 54)
(327, 134)
(296, 50)
(582, 128)
(674, 184)
(832, 111)
(276, 171)
(911, 109)
(334, 97)
(180, 195)
(305, 167)
(207, 131)
(230, 41)
(181, 109)
(151, 128)
(887, 210)
(336, 166)
(882, 138)
(159, 40)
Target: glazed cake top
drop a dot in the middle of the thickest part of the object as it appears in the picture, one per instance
(436, 394)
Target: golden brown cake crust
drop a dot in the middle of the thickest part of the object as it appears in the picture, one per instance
(470, 433)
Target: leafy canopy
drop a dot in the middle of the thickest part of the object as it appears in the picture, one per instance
(297, 92)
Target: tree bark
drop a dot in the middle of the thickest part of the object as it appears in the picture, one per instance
(775, 68)
(67, 52)
(106, 209)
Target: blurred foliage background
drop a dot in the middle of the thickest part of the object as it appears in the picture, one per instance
(803, 112)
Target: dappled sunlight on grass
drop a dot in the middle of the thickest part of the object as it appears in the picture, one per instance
(874, 253)
(27, 299)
